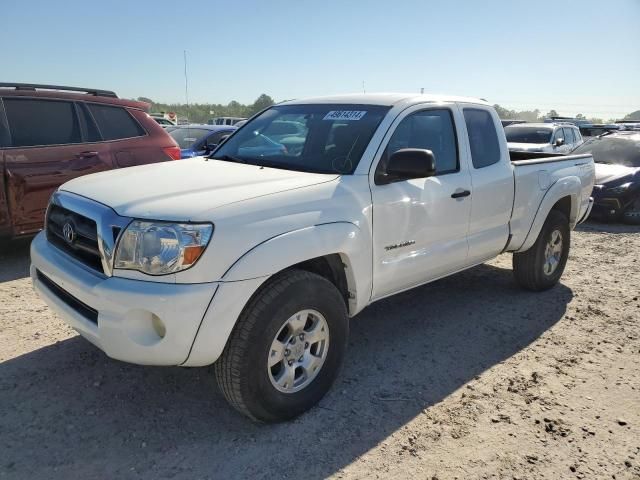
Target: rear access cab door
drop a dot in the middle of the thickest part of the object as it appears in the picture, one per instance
(492, 181)
(48, 145)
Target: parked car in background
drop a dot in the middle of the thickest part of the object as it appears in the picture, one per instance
(163, 120)
(51, 134)
(241, 123)
(225, 120)
(195, 140)
(506, 123)
(572, 120)
(628, 124)
(543, 137)
(616, 193)
(595, 129)
(258, 262)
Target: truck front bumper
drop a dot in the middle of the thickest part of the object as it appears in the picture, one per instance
(148, 323)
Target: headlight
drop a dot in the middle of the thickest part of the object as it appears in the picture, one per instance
(619, 189)
(160, 248)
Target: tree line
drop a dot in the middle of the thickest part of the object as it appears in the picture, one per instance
(537, 116)
(201, 112)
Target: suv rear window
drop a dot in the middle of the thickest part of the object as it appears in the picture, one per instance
(115, 122)
(41, 122)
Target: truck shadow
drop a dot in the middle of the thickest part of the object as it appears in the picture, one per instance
(14, 259)
(73, 413)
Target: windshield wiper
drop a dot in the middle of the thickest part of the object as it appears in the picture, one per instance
(229, 158)
(286, 166)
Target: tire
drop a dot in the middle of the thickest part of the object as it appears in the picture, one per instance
(534, 269)
(631, 216)
(243, 372)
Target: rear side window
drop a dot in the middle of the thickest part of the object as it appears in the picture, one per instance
(431, 130)
(86, 122)
(4, 128)
(41, 122)
(483, 138)
(115, 122)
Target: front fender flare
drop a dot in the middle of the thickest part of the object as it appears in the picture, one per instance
(287, 249)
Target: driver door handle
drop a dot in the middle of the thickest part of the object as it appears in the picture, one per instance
(461, 194)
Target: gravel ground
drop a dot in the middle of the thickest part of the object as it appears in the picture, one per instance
(468, 377)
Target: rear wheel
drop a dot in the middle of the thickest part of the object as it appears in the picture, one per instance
(541, 267)
(286, 348)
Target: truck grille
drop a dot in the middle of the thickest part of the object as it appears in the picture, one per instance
(75, 235)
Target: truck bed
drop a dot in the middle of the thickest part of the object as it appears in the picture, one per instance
(520, 155)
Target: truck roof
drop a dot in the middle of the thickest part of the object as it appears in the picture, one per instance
(384, 99)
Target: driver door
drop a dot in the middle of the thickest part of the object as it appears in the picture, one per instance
(420, 226)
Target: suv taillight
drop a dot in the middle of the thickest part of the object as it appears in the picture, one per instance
(173, 152)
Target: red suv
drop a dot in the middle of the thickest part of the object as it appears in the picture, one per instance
(51, 134)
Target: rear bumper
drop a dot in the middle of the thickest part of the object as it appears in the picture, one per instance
(148, 323)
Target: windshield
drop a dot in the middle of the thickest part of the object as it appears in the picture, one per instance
(519, 134)
(619, 150)
(188, 137)
(320, 138)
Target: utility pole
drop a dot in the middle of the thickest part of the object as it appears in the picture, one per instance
(186, 82)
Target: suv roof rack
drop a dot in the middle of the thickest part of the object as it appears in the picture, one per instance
(35, 86)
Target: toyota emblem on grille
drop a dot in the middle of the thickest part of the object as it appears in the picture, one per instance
(69, 232)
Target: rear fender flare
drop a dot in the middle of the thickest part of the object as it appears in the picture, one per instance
(565, 187)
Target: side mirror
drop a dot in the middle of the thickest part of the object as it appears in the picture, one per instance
(559, 142)
(409, 163)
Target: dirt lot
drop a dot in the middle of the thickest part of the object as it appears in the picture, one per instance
(468, 377)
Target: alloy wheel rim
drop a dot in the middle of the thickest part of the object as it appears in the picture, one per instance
(552, 253)
(298, 351)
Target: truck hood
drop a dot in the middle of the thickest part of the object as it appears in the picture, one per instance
(608, 172)
(183, 190)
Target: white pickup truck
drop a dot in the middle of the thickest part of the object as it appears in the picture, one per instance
(255, 258)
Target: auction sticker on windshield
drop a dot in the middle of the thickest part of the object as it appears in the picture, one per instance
(345, 115)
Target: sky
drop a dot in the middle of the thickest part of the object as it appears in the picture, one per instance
(576, 56)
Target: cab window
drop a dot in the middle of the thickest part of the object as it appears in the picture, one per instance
(428, 129)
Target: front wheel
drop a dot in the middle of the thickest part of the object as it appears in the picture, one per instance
(541, 267)
(286, 348)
